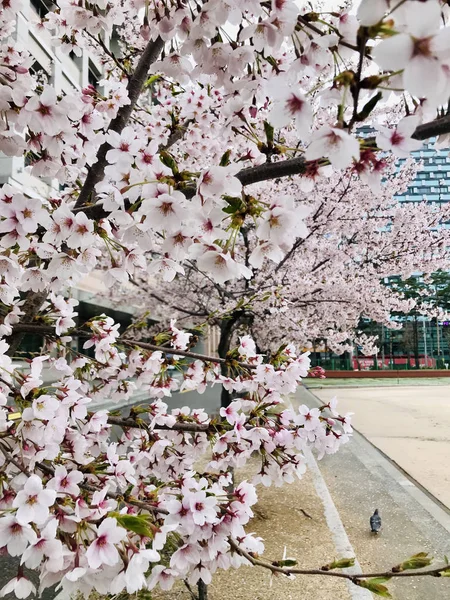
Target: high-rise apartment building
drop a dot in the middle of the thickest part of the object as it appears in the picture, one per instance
(432, 181)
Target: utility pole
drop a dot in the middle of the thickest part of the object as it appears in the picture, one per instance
(425, 341)
(438, 339)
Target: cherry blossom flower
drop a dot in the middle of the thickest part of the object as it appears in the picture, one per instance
(43, 113)
(137, 567)
(165, 211)
(247, 347)
(102, 551)
(180, 339)
(65, 482)
(337, 145)
(370, 12)
(399, 140)
(230, 412)
(308, 417)
(418, 51)
(291, 104)
(45, 407)
(20, 585)
(222, 266)
(47, 545)
(163, 577)
(33, 502)
(15, 536)
(125, 146)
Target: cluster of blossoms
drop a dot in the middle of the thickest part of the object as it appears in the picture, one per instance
(151, 174)
(97, 514)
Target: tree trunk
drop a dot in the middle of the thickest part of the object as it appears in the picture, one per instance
(227, 328)
(202, 590)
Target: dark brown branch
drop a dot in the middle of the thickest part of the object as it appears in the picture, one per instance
(188, 427)
(187, 354)
(433, 128)
(31, 307)
(134, 88)
(50, 331)
(283, 168)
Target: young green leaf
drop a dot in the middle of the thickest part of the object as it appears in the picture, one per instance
(268, 129)
(137, 524)
(418, 561)
(373, 586)
(342, 563)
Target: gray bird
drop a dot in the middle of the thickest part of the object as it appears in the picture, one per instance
(375, 522)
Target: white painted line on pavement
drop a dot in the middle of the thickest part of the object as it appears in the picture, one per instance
(342, 544)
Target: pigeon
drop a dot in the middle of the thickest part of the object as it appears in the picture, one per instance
(375, 522)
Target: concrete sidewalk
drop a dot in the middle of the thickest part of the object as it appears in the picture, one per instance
(409, 424)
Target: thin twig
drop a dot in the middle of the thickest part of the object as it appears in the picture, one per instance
(437, 572)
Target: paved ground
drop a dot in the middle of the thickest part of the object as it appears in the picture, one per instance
(410, 424)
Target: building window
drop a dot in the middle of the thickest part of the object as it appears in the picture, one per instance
(94, 75)
(41, 74)
(42, 7)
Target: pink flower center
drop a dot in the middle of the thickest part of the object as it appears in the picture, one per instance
(422, 47)
(294, 104)
(166, 208)
(45, 111)
(102, 541)
(396, 138)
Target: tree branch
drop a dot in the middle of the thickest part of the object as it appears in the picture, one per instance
(134, 88)
(188, 427)
(272, 566)
(31, 307)
(434, 128)
(50, 330)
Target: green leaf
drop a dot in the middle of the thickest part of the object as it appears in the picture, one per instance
(288, 562)
(151, 80)
(373, 586)
(225, 160)
(368, 108)
(137, 524)
(168, 160)
(268, 130)
(418, 561)
(342, 563)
